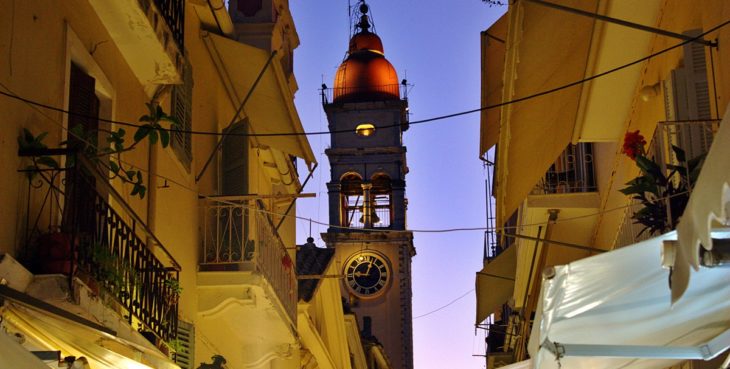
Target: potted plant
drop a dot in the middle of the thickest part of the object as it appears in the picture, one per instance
(663, 196)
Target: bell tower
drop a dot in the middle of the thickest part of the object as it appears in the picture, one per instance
(367, 204)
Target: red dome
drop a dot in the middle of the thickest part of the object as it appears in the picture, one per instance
(366, 75)
(366, 41)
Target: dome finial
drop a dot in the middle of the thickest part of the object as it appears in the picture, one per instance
(364, 23)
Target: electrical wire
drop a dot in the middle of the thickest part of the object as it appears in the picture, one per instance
(444, 306)
(326, 224)
(421, 121)
(546, 92)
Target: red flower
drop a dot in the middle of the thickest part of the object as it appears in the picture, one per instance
(633, 144)
(286, 262)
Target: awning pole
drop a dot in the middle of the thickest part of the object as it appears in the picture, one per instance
(627, 351)
(288, 209)
(624, 23)
(560, 243)
(236, 115)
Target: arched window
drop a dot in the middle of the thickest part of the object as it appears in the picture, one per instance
(381, 196)
(351, 200)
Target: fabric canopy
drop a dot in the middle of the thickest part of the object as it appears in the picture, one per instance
(709, 202)
(614, 310)
(13, 355)
(270, 109)
(495, 283)
(100, 349)
(493, 51)
(548, 49)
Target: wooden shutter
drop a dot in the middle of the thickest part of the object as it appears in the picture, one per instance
(687, 97)
(181, 108)
(185, 355)
(234, 163)
(83, 103)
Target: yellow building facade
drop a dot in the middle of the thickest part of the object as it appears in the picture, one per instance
(200, 269)
(563, 82)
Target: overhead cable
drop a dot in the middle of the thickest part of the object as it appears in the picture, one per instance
(421, 121)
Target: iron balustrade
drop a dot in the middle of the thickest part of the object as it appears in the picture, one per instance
(572, 172)
(108, 247)
(380, 92)
(694, 138)
(239, 235)
(173, 12)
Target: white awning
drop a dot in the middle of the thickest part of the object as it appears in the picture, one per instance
(495, 283)
(13, 355)
(270, 109)
(493, 52)
(614, 310)
(548, 49)
(709, 204)
(100, 349)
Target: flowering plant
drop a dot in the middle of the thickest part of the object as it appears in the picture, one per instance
(664, 196)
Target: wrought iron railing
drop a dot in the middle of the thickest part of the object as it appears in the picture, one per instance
(379, 92)
(502, 335)
(572, 172)
(238, 234)
(173, 12)
(694, 138)
(108, 246)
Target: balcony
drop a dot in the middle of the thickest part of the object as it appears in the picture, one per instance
(572, 172)
(247, 288)
(150, 36)
(108, 247)
(694, 137)
(503, 338)
(239, 236)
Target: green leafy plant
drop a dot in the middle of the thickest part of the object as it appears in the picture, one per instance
(664, 197)
(173, 289)
(110, 156)
(177, 346)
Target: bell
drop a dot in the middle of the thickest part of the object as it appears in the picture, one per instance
(373, 217)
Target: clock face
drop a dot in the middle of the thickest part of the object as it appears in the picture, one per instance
(367, 274)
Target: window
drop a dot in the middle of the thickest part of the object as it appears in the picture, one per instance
(351, 200)
(84, 108)
(381, 201)
(181, 108)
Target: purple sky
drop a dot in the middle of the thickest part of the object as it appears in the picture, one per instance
(435, 44)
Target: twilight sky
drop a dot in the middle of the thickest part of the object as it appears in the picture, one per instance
(435, 45)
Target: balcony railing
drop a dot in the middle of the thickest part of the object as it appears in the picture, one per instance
(376, 93)
(239, 235)
(502, 338)
(572, 172)
(694, 137)
(106, 246)
(173, 12)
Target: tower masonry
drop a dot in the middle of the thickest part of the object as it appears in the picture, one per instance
(367, 204)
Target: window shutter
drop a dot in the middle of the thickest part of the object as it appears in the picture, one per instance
(234, 163)
(181, 106)
(184, 357)
(83, 103)
(687, 97)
